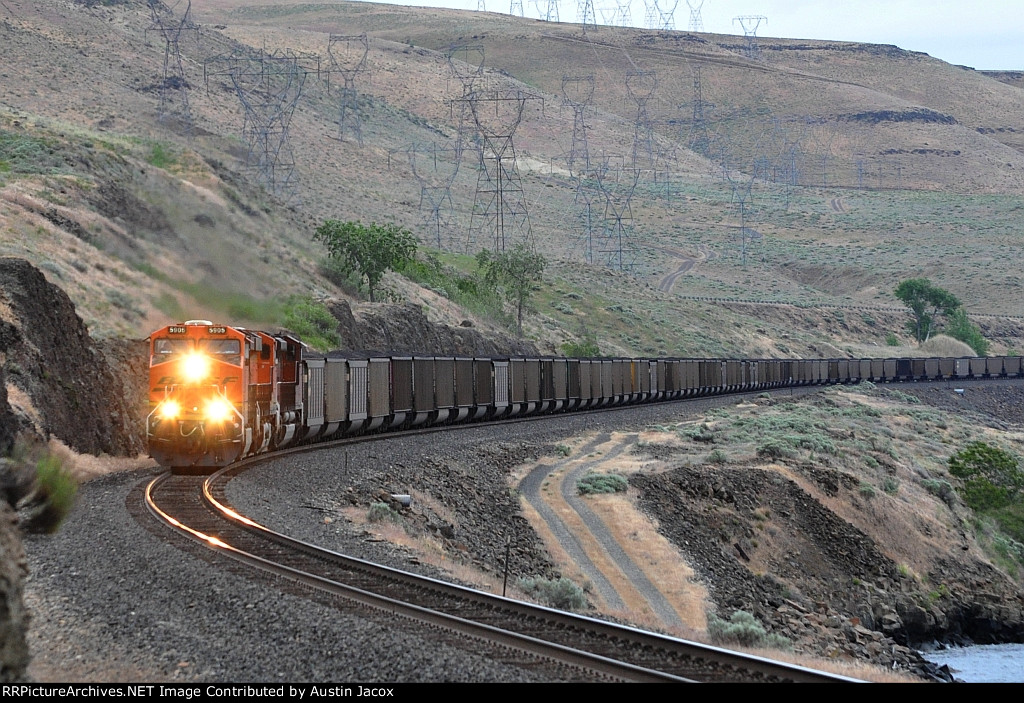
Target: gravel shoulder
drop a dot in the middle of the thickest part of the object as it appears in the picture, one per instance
(114, 600)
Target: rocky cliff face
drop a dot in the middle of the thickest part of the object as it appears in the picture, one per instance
(404, 329)
(59, 379)
(54, 381)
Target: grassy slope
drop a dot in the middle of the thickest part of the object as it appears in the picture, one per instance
(836, 244)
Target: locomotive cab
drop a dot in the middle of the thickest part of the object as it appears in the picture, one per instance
(196, 395)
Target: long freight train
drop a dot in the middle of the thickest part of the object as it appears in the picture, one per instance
(218, 394)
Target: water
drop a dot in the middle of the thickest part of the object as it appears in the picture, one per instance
(983, 663)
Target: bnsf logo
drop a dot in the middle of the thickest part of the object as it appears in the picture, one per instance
(173, 381)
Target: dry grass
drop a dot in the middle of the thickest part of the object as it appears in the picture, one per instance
(84, 467)
(425, 548)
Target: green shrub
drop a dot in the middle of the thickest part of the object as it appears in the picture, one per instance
(382, 512)
(774, 449)
(55, 490)
(744, 629)
(700, 433)
(312, 322)
(561, 593)
(940, 489)
(891, 485)
(160, 156)
(601, 483)
(991, 477)
(583, 349)
(717, 456)
(959, 327)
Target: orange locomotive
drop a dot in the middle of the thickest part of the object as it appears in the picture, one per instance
(217, 394)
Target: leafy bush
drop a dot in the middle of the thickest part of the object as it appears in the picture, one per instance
(583, 349)
(959, 327)
(601, 483)
(161, 156)
(941, 489)
(743, 628)
(717, 456)
(992, 485)
(382, 512)
(312, 322)
(561, 593)
(700, 433)
(369, 250)
(891, 485)
(773, 449)
(57, 487)
(471, 291)
(991, 476)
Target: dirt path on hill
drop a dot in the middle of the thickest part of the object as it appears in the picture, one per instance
(686, 264)
(602, 541)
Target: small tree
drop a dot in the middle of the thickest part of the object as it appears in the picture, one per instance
(516, 271)
(927, 302)
(959, 327)
(370, 251)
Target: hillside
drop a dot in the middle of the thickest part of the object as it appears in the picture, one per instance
(822, 174)
(857, 165)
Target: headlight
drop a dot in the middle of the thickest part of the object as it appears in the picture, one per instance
(169, 409)
(217, 410)
(195, 367)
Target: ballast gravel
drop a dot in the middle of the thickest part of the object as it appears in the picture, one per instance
(116, 598)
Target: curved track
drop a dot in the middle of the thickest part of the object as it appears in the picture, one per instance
(566, 646)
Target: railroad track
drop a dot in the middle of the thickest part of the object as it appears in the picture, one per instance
(562, 645)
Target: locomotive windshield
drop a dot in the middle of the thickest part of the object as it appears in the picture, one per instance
(165, 350)
(227, 350)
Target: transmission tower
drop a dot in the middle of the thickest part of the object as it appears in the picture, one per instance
(269, 87)
(640, 86)
(589, 224)
(667, 18)
(585, 13)
(578, 91)
(480, 6)
(547, 10)
(348, 57)
(750, 23)
(741, 190)
(435, 168)
(516, 8)
(652, 17)
(173, 87)
(466, 63)
(696, 23)
(616, 248)
(625, 15)
(500, 215)
(699, 139)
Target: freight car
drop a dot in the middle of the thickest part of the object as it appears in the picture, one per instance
(218, 393)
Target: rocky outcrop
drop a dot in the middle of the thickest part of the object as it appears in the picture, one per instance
(65, 383)
(767, 547)
(60, 383)
(404, 329)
